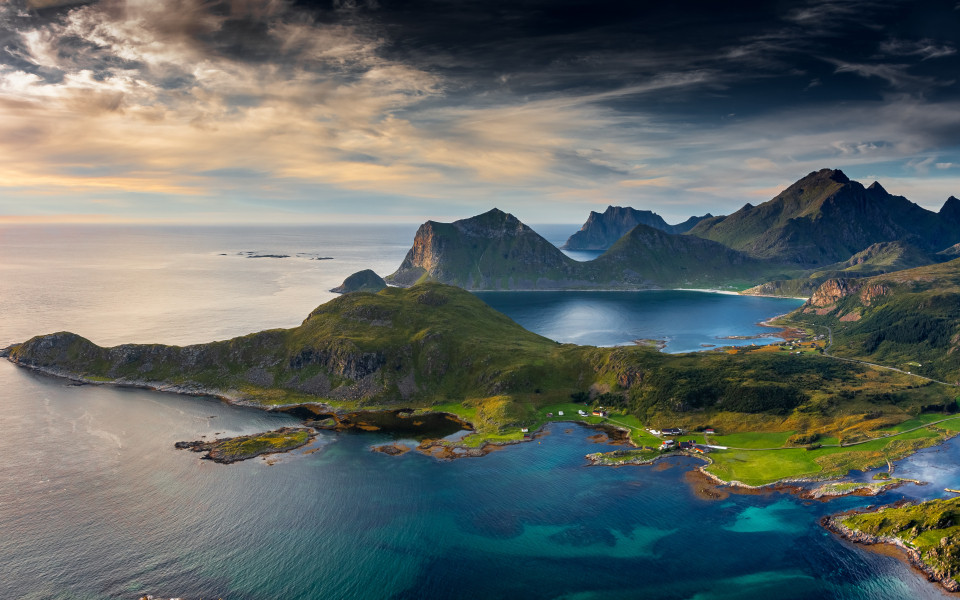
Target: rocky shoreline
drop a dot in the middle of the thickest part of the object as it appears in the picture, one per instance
(829, 491)
(244, 447)
(834, 524)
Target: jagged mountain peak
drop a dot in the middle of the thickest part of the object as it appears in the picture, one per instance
(494, 222)
(832, 174)
(825, 217)
(876, 187)
(950, 211)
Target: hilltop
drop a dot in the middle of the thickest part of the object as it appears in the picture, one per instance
(602, 230)
(361, 281)
(826, 218)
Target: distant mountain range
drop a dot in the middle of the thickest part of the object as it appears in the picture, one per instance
(823, 226)
(603, 230)
(495, 251)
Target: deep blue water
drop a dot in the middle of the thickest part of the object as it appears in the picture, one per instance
(95, 503)
(686, 320)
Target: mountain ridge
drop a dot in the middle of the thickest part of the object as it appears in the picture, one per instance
(495, 251)
(825, 218)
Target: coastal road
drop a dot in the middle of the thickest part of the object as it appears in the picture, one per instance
(826, 352)
(841, 445)
(851, 444)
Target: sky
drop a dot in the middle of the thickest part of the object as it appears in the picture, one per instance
(277, 111)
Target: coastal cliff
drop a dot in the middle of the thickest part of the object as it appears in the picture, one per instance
(492, 251)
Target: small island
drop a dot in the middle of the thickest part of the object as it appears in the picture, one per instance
(244, 447)
(361, 281)
(926, 532)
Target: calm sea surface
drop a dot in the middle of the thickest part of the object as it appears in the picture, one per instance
(95, 502)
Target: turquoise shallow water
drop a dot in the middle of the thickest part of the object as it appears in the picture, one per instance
(95, 503)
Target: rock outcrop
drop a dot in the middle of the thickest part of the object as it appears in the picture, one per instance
(834, 290)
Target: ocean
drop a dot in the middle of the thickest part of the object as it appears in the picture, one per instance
(96, 503)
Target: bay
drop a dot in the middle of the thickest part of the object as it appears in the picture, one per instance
(95, 502)
(686, 321)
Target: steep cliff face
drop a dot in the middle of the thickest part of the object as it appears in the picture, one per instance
(601, 231)
(490, 251)
(825, 218)
(834, 290)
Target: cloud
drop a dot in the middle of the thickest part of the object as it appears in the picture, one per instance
(894, 74)
(925, 48)
(201, 103)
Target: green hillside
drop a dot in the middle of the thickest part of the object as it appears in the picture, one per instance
(649, 257)
(906, 319)
(433, 344)
(879, 258)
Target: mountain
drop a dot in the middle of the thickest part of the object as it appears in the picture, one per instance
(492, 251)
(883, 257)
(602, 230)
(907, 319)
(950, 211)
(648, 257)
(361, 281)
(825, 218)
(495, 251)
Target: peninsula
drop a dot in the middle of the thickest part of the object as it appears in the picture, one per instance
(434, 348)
